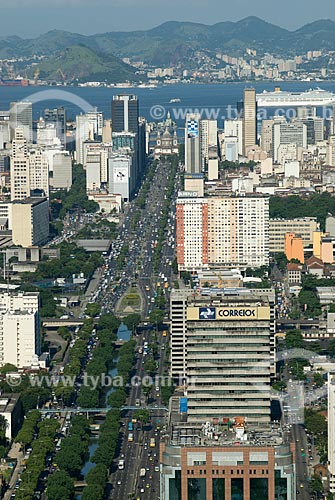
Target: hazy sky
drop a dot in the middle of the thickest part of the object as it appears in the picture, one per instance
(32, 17)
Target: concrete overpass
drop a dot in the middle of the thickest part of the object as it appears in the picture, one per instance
(101, 410)
(299, 324)
(57, 322)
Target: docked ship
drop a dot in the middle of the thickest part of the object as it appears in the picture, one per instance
(281, 98)
(20, 82)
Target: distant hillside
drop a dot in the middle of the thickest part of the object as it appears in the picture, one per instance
(79, 63)
(176, 42)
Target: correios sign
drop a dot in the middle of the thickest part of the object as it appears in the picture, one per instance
(228, 313)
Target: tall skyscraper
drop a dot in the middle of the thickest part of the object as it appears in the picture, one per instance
(208, 141)
(125, 113)
(19, 167)
(249, 119)
(266, 136)
(228, 355)
(57, 117)
(125, 119)
(228, 231)
(21, 116)
(192, 144)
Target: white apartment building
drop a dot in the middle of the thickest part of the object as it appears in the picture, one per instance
(305, 226)
(19, 328)
(225, 231)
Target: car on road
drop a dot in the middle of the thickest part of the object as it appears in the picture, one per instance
(119, 482)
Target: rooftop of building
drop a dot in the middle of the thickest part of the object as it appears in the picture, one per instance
(227, 295)
(8, 402)
(220, 431)
(291, 266)
(30, 201)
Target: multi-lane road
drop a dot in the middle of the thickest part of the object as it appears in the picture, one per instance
(138, 454)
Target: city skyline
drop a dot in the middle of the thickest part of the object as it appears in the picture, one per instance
(33, 18)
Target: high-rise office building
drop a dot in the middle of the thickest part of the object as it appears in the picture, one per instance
(38, 171)
(208, 141)
(61, 173)
(192, 144)
(19, 328)
(266, 136)
(222, 350)
(314, 128)
(249, 119)
(305, 226)
(234, 129)
(57, 117)
(19, 167)
(229, 231)
(125, 113)
(121, 175)
(21, 116)
(88, 127)
(5, 134)
(288, 133)
(30, 222)
(46, 134)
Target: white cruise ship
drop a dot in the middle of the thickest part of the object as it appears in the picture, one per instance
(281, 98)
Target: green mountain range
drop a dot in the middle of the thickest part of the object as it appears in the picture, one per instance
(168, 44)
(79, 63)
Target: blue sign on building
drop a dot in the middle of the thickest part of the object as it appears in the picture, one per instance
(207, 313)
(183, 405)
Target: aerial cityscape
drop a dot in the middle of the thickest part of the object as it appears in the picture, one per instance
(167, 260)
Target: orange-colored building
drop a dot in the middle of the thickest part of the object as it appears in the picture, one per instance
(294, 247)
(327, 252)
